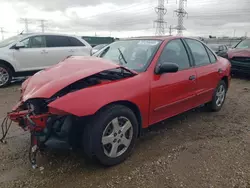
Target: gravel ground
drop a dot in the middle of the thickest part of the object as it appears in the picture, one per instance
(195, 149)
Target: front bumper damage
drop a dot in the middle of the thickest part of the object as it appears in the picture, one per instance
(28, 122)
(46, 130)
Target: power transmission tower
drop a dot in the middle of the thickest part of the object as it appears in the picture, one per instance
(160, 22)
(181, 14)
(26, 22)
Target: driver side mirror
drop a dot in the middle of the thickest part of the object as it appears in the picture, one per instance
(166, 67)
(19, 45)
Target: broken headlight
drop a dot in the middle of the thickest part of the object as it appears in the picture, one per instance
(37, 106)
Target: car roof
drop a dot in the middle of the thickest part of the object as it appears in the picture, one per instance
(153, 38)
(216, 44)
(167, 37)
(55, 34)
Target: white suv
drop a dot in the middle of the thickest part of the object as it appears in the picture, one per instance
(25, 54)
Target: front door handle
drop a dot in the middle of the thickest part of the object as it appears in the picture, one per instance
(192, 77)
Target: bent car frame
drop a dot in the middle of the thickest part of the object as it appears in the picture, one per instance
(102, 103)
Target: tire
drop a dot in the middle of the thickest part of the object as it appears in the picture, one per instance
(100, 125)
(214, 106)
(8, 76)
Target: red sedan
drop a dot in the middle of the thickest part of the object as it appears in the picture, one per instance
(102, 103)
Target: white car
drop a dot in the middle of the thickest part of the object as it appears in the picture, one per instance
(25, 54)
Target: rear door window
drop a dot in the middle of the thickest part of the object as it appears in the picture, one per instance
(199, 52)
(57, 41)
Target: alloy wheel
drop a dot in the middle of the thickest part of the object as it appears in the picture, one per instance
(220, 95)
(117, 137)
(4, 76)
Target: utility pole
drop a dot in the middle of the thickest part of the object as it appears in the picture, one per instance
(181, 13)
(42, 25)
(170, 30)
(234, 32)
(2, 31)
(160, 22)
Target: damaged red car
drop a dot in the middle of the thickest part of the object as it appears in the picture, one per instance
(239, 57)
(103, 103)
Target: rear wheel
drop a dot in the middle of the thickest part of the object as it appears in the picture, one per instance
(219, 97)
(110, 135)
(5, 76)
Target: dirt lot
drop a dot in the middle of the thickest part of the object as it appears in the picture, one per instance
(195, 149)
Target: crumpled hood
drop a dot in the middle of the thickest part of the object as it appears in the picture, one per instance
(239, 53)
(49, 81)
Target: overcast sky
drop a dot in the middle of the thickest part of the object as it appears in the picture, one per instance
(124, 18)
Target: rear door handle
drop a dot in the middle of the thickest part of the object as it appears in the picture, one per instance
(44, 52)
(192, 77)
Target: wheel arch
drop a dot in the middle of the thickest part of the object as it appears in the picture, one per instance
(7, 64)
(225, 79)
(131, 106)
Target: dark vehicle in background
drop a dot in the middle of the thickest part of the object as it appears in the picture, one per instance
(94, 40)
(97, 48)
(219, 49)
(239, 56)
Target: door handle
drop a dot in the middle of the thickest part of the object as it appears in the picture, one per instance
(71, 50)
(44, 52)
(192, 77)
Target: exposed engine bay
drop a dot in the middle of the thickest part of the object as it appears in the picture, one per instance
(56, 130)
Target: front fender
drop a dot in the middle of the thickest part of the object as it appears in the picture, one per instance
(10, 60)
(88, 101)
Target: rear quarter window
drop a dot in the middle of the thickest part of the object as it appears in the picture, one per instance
(75, 42)
(212, 57)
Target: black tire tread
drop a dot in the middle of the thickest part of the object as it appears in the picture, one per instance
(10, 74)
(211, 106)
(91, 129)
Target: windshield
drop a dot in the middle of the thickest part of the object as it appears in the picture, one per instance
(10, 40)
(133, 54)
(100, 46)
(243, 44)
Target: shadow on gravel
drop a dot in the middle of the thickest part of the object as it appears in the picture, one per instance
(241, 76)
(169, 131)
(18, 81)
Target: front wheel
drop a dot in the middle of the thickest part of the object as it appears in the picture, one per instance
(111, 134)
(219, 97)
(5, 76)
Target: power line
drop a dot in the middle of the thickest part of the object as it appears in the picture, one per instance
(181, 13)
(160, 22)
(116, 10)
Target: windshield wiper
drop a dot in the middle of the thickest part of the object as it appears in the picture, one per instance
(121, 54)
